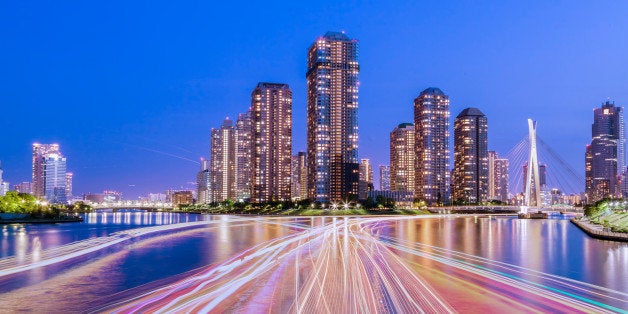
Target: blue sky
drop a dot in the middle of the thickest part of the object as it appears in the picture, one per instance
(124, 85)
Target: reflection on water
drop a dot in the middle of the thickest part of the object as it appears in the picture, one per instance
(22, 239)
(552, 246)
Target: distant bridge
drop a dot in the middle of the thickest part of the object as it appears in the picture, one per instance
(132, 205)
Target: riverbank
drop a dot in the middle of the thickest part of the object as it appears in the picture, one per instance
(40, 220)
(599, 232)
(305, 212)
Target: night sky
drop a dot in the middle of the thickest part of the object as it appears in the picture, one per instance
(131, 89)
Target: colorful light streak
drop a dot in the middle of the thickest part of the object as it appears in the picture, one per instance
(345, 265)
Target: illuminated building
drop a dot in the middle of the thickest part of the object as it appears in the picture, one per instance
(402, 158)
(431, 120)
(542, 176)
(332, 118)
(112, 196)
(49, 173)
(39, 153)
(497, 177)
(271, 115)
(588, 172)
(366, 178)
(24, 187)
(384, 177)
(202, 183)
(299, 176)
(4, 186)
(182, 198)
(607, 153)
(244, 155)
(222, 163)
(470, 173)
(68, 184)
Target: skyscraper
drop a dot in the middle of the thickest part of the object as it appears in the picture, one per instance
(299, 176)
(607, 152)
(244, 155)
(222, 164)
(384, 177)
(332, 118)
(470, 173)
(497, 177)
(366, 178)
(271, 114)
(431, 122)
(69, 176)
(203, 183)
(49, 173)
(402, 158)
(4, 186)
(39, 152)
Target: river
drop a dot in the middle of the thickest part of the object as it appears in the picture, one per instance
(466, 264)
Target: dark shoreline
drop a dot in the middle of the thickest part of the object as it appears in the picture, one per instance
(594, 231)
(39, 221)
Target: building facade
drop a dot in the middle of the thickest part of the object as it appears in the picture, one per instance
(332, 118)
(203, 183)
(470, 173)
(366, 178)
(431, 122)
(299, 176)
(69, 177)
(3, 185)
(497, 177)
(606, 155)
(24, 187)
(49, 173)
(271, 115)
(244, 155)
(40, 151)
(222, 163)
(402, 158)
(182, 198)
(384, 177)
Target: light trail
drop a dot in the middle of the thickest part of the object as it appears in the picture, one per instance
(344, 265)
(13, 265)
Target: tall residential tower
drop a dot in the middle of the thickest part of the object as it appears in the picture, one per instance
(222, 163)
(244, 155)
(332, 118)
(470, 173)
(431, 122)
(607, 152)
(402, 158)
(49, 173)
(271, 116)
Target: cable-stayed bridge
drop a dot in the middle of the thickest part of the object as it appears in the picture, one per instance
(536, 172)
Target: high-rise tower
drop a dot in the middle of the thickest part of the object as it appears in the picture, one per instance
(271, 116)
(366, 178)
(222, 162)
(203, 183)
(244, 155)
(299, 176)
(497, 177)
(402, 158)
(470, 174)
(49, 173)
(384, 177)
(431, 122)
(332, 118)
(607, 152)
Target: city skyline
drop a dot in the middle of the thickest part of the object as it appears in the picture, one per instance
(124, 140)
